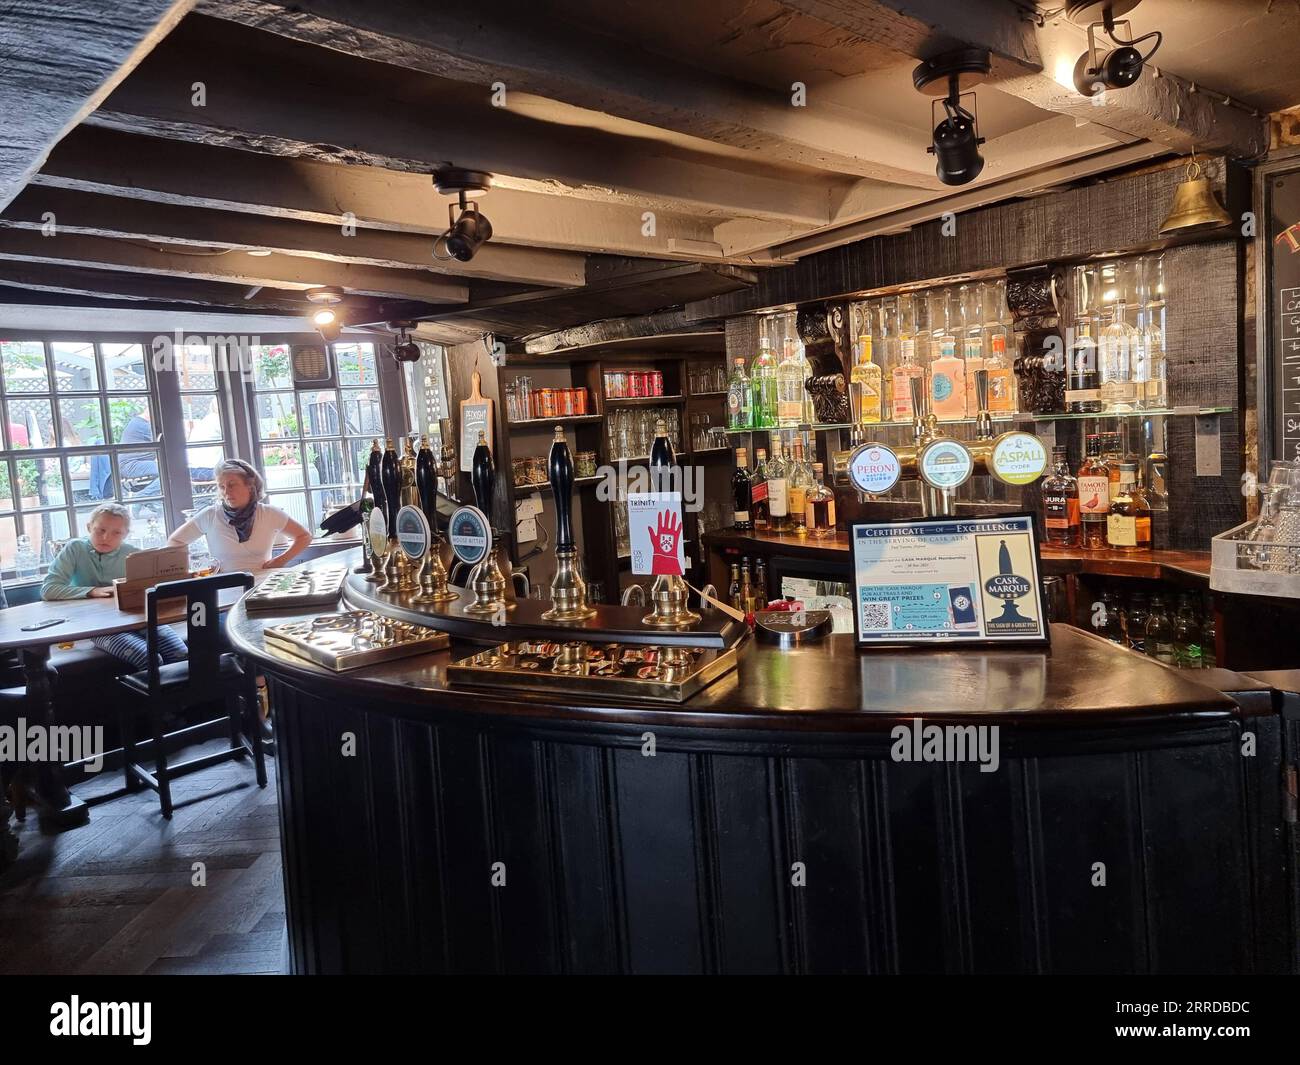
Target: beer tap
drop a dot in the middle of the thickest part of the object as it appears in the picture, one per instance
(568, 589)
(486, 579)
(408, 495)
(432, 577)
(943, 464)
(373, 479)
(669, 593)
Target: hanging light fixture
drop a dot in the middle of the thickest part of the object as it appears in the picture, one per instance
(1195, 208)
(327, 318)
(956, 140)
(1109, 68)
(470, 230)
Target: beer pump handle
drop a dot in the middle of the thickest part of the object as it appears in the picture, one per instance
(559, 470)
(426, 482)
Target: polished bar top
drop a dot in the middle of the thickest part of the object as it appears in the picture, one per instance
(1156, 565)
(830, 686)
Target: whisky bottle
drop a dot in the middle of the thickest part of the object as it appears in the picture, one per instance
(820, 508)
(778, 489)
(1094, 496)
(740, 492)
(797, 486)
(1061, 502)
(759, 508)
(1128, 524)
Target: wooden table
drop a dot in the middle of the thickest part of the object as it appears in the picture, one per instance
(82, 620)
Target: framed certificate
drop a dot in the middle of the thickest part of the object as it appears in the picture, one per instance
(929, 581)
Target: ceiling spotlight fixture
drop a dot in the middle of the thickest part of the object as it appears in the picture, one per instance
(1114, 68)
(470, 230)
(404, 348)
(326, 318)
(956, 138)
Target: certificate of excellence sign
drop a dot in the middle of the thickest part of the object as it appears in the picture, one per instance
(948, 580)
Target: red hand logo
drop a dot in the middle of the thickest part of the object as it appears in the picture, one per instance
(664, 544)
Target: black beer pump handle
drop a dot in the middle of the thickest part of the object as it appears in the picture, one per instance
(559, 470)
(426, 482)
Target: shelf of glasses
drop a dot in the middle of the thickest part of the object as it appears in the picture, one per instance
(545, 486)
(542, 423)
(642, 401)
(1156, 412)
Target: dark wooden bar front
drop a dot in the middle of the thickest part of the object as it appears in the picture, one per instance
(772, 829)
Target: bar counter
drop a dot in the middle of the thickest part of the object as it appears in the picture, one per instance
(772, 823)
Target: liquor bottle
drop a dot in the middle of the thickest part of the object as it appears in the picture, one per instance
(1061, 501)
(1135, 628)
(762, 386)
(1151, 329)
(797, 488)
(760, 510)
(740, 492)
(1155, 480)
(1094, 496)
(1128, 525)
(947, 370)
(820, 516)
(1002, 377)
(1112, 455)
(789, 386)
(1118, 345)
(1187, 634)
(733, 592)
(746, 589)
(1112, 627)
(1209, 641)
(866, 379)
(1160, 633)
(778, 489)
(1083, 377)
(884, 352)
(969, 327)
(739, 398)
(760, 584)
(907, 367)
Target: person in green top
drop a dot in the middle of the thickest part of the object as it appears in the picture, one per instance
(85, 569)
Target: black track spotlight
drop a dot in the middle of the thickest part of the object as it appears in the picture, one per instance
(470, 229)
(404, 348)
(1101, 68)
(956, 139)
(327, 318)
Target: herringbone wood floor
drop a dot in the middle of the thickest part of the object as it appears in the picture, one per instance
(117, 895)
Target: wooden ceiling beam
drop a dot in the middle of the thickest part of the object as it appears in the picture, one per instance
(264, 94)
(61, 59)
(1036, 64)
(529, 51)
(240, 268)
(223, 179)
(92, 214)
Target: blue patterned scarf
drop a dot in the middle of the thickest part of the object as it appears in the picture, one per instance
(241, 520)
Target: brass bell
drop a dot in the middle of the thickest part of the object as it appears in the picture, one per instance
(1195, 207)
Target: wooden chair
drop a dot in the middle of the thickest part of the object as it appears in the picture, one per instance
(211, 672)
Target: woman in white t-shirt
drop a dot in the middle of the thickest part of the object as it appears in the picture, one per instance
(240, 529)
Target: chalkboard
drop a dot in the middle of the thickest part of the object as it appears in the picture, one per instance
(1281, 327)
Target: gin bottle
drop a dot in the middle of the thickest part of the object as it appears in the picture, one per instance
(739, 410)
(866, 381)
(789, 386)
(762, 383)
(1119, 342)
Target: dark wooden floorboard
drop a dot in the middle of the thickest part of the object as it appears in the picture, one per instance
(117, 895)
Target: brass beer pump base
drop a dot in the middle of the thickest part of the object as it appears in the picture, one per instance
(433, 579)
(489, 588)
(568, 590)
(669, 596)
(407, 580)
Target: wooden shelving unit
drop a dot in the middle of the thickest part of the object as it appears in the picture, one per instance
(585, 367)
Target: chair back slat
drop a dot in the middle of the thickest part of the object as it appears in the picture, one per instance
(202, 623)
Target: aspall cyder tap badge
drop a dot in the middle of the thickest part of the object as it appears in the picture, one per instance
(1007, 557)
(1018, 458)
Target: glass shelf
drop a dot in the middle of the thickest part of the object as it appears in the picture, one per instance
(1163, 412)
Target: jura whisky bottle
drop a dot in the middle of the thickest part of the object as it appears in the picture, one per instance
(1061, 502)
